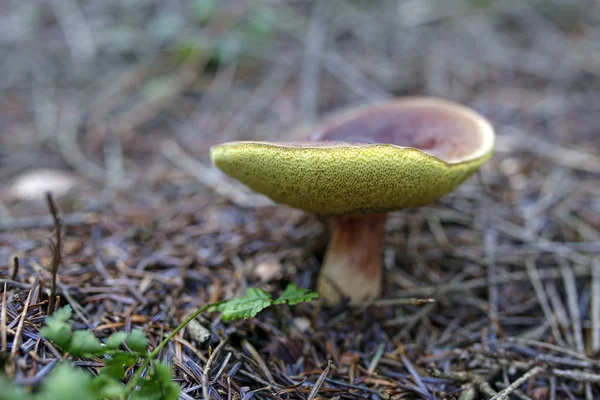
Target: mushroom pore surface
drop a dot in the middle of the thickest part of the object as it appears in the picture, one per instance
(389, 156)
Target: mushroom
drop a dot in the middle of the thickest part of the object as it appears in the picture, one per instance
(356, 167)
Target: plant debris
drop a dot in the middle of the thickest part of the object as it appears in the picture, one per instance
(493, 292)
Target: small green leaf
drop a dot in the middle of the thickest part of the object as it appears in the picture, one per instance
(68, 383)
(294, 295)
(116, 364)
(137, 341)
(164, 375)
(247, 306)
(115, 340)
(61, 315)
(84, 343)
(159, 385)
(58, 328)
(105, 387)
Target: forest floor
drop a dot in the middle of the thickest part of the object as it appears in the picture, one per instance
(119, 102)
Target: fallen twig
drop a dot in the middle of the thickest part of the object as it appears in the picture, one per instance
(45, 222)
(56, 250)
(579, 376)
(503, 395)
(208, 366)
(317, 386)
(15, 270)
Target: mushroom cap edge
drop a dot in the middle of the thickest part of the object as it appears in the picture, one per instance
(336, 178)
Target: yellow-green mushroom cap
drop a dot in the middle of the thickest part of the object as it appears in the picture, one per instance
(402, 153)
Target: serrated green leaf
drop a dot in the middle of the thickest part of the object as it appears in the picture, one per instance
(58, 327)
(115, 340)
(294, 295)
(159, 385)
(116, 364)
(162, 372)
(61, 315)
(247, 306)
(67, 383)
(137, 341)
(146, 391)
(105, 387)
(85, 344)
(164, 375)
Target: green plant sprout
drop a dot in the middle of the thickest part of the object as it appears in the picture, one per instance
(67, 382)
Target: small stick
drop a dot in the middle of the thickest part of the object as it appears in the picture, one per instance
(552, 388)
(15, 270)
(17, 340)
(258, 359)
(503, 395)
(491, 240)
(538, 287)
(468, 392)
(46, 222)
(57, 249)
(518, 393)
(482, 385)
(3, 319)
(572, 300)
(578, 376)
(207, 368)
(478, 283)
(357, 387)
(596, 306)
(376, 358)
(315, 390)
(409, 301)
(416, 377)
(15, 283)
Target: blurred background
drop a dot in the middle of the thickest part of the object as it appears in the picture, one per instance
(112, 96)
(113, 106)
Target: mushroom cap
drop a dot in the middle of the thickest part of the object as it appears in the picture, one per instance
(402, 153)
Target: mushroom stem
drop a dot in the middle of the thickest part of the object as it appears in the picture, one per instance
(352, 264)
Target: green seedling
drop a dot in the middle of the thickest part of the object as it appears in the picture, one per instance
(123, 351)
